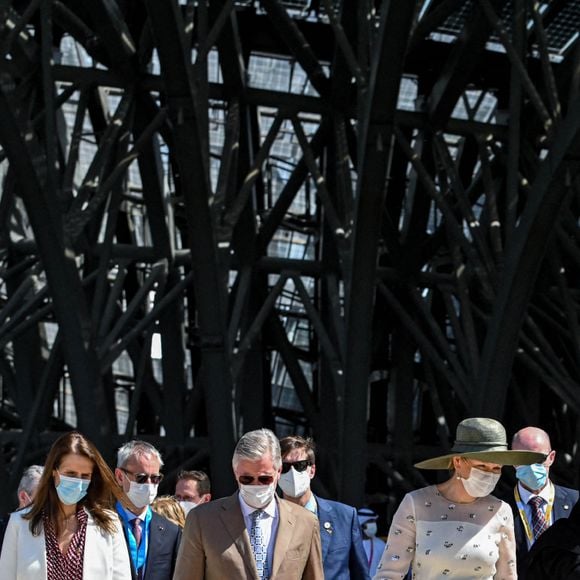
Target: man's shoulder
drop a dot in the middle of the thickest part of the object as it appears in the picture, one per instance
(163, 525)
(566, 491)
(297, 511)
(206, 512)
(336, 506)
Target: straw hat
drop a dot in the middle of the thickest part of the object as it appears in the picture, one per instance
(485, 440)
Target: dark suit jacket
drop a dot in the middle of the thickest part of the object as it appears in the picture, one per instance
(164, 538)
(343, 554)
(564, 500)
(556, 553)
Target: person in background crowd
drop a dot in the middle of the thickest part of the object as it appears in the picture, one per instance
(556, 553)
(70, 531)
(28, 485)
(152, 540)
(374, 547)
(456, 528)
(192, 488)
(252, 534)
(25, 494)
(168, 507)
(343, 555)
(536, 502)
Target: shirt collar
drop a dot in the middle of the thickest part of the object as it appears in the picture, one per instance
(130, 516)
(311, 505)
(526, 494)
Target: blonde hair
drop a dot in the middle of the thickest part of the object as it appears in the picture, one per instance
(168, 507)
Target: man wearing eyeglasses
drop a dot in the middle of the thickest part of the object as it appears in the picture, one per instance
(343, 554)
(192, 488)
(252, 534)
(152, 540)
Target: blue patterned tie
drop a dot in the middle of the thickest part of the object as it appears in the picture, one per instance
(258, 544)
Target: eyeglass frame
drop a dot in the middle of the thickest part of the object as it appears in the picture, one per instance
(142, 478)
(261, 479)
(299, 466)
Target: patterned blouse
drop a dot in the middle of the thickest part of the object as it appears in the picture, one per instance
(70, 564)
(439, 539)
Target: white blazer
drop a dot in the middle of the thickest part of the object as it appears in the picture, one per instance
(24, 556)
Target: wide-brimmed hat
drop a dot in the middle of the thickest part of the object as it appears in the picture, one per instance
(483, 439)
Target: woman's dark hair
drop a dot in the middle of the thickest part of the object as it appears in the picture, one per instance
(99, 500)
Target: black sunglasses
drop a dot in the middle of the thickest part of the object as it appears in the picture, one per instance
(144, 477)
(261, 479)
(299, 466)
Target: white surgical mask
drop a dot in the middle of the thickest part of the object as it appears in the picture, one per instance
(370, 529)
(295, 483)
(142, 494)
(187, 506)
(480, 483)
(257, 496)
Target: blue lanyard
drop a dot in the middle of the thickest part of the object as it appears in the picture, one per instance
(137, 555)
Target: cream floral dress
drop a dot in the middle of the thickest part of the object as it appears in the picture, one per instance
(439, 539)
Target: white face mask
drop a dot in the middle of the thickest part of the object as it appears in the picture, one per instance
(257, 496)
(142, 494)
(187, 506)
(295, 483)
(480, 483)
(370, 529)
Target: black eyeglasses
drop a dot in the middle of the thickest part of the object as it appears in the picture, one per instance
(299, 466)
(144, 477)
(261, 479)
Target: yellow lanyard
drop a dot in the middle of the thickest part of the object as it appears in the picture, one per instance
(527, 525)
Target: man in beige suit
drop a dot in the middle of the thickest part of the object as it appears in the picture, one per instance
(252, 534)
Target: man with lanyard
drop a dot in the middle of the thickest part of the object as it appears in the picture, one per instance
(153, 541)
(536, 502)
(343, 555)
(374, 547)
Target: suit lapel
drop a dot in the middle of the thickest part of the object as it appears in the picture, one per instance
(286, 523)
(519, 531)
(562, 505)
(133, 571)
(326, 519)
(233, 520)
(156, 535)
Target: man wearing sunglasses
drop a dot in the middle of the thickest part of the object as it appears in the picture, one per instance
(252, 534)
(343, 554)
(152, 540)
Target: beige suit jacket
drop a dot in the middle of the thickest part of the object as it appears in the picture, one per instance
(216, 545)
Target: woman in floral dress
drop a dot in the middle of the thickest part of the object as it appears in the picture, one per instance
(456, 529)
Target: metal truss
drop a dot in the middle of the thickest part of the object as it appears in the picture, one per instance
(351, 219)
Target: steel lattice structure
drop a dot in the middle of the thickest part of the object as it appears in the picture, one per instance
(349, 218)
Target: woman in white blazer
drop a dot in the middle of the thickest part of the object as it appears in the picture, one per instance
(70, 530)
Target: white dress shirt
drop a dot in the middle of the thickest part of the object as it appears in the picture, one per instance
(268, 525)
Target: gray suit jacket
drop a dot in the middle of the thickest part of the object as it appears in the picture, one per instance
(216, 544)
